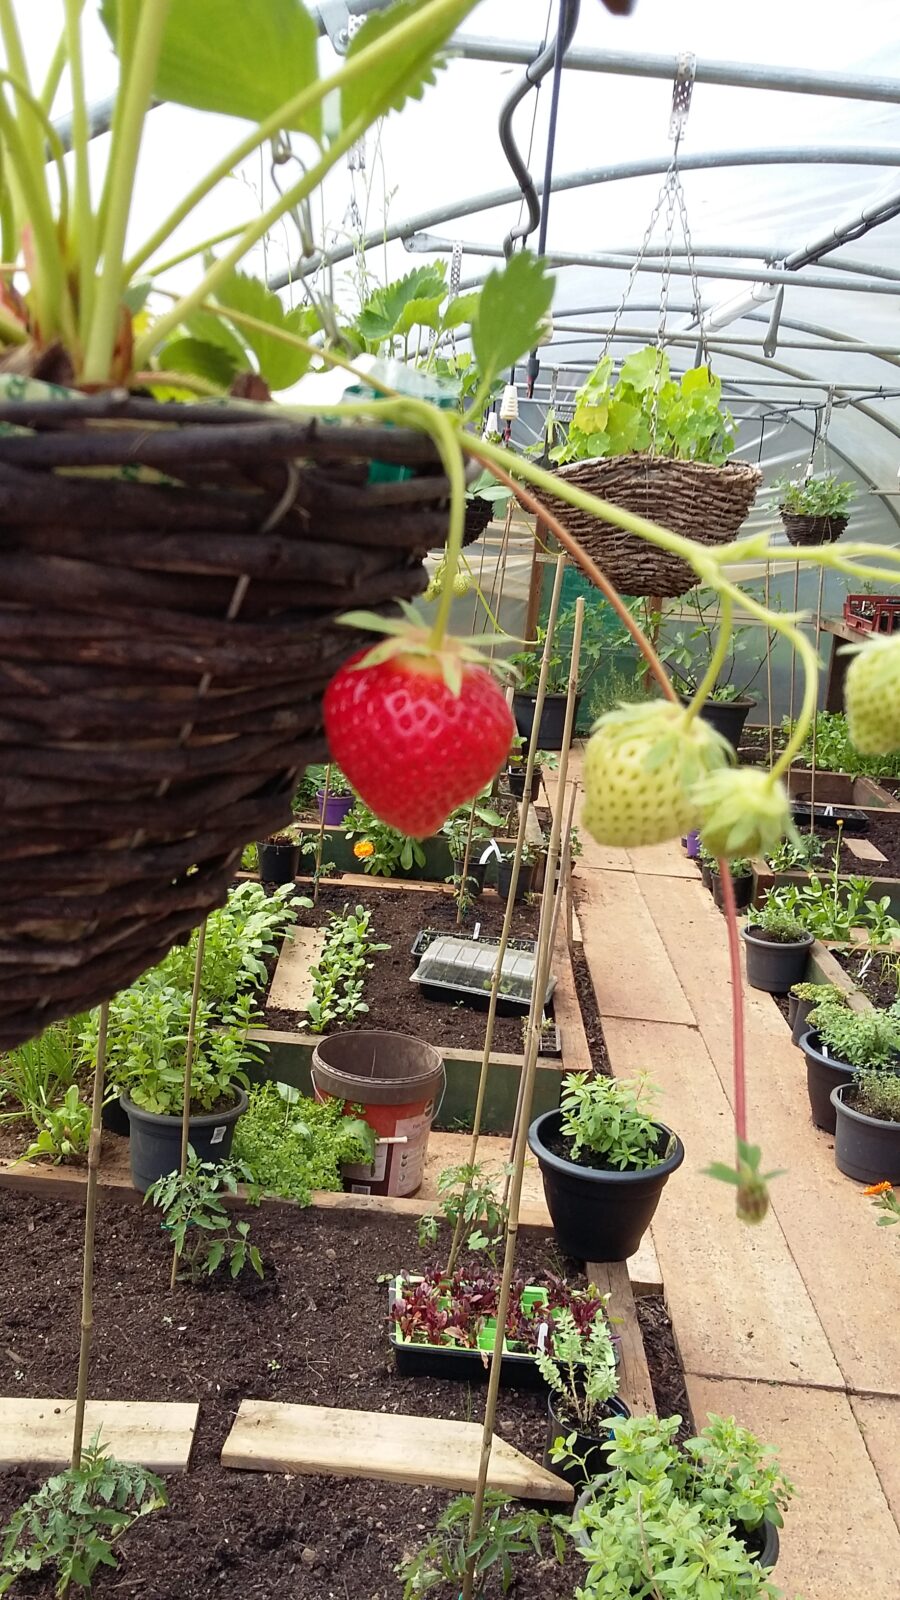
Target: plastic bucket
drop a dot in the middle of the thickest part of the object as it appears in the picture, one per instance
(335, 807)
(395, 1078)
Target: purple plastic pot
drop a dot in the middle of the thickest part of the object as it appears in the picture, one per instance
(692, 844)
(335, 807)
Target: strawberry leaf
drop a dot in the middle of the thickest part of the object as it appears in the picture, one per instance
(197, 358)
(407, 70)
(280, 363)
(514, 301)
(383, 312)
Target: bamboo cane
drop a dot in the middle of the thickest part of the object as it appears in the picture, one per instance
(90, 1220)
(188, 1066)
(510, 898)
(536, 1009)
(769, 642)
(815, 725)
(321, 839)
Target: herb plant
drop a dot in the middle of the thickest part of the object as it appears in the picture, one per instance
(580, 1370)
(239, 937)
(37, 1074)
(594, 649)
(645, 409)
(468, 1203)
(831, 909)
(146, 1039)
(796, 855)
(778, 919)
(835, 751)
(508, 1530)
(339, 975)
(825, 496)
(64, 1130)
(205, 1234)
(819, 993)
(607, 1124)
(877, 1094)
(293, 1144)
(863, 1039)
(73, 1521)
(688, 650)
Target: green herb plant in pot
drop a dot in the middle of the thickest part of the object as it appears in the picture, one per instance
(803, 997)
(582, 1402)
(814, 510)
(604, 1162)
(867, 1135)
(528, 665)
(532, 852)
(838, 1044)
(674, 1523)
(778, 947)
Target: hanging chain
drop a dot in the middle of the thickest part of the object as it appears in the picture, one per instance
(636, 264)
(456, 257)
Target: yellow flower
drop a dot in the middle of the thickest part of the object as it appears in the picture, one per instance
(363, 848)
(879, 1188)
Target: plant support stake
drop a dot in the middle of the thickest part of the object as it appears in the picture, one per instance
(321, 839)
(90, 1220)
(188, 1066)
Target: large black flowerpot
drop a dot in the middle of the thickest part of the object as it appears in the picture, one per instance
(114, 1118)
(599, 1214)
(866, 1148)
(524, 884)
(553, 717)
(156, 1139)
(278, 863)
(772, 966)
(516, 779)
(728, 717)
(587, 1446)
(474, 875)
(823, 1074)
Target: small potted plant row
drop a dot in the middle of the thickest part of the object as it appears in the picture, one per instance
(604, 1161)
(741, 876)
(838, 1044)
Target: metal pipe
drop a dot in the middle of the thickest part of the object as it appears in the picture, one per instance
(851, 347)
(702, 161)
(725, 74)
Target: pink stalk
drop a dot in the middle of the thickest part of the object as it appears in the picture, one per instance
(737, 1005)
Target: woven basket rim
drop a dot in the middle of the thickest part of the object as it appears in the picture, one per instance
(662, 464)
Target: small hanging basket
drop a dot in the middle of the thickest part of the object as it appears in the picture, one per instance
(479, 514)
(803, 529)
(703, 502)
(164, 647)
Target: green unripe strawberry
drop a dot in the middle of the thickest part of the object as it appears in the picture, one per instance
(744, 812)
(872, 697)
(460, 585)
(641, 766)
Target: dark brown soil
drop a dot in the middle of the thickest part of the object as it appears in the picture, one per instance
(666, 1372)
(590, 1015)
(394, 1002)
(884, 834)
(877, 977)
(314, 1332)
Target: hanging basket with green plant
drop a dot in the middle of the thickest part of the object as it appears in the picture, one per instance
(814, 510)
(659, 447)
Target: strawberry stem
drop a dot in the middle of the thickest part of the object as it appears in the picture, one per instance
(737, 1007)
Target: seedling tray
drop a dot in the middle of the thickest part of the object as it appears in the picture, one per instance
(427, 936)
(855, 822)
(461, 970)
(518, 1368)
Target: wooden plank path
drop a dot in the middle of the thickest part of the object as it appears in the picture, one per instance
(794, 1326)
(153, 1434)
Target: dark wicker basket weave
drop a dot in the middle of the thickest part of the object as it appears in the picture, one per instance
(164, 647)
(804, 529)
(689, 497)
(479, 514)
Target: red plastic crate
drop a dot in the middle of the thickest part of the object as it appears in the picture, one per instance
(875, 613)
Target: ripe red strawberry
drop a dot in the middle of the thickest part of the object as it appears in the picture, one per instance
(411, 748)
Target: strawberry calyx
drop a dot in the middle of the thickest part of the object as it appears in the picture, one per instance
(411, 640)
(744, 812)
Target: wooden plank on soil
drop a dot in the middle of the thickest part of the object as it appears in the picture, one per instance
(291, 988)
(268, 1436)
(644, 1269)
(153, 1434)
(839, 1538)
(636, 1389)
(630, 969)
(863, 849)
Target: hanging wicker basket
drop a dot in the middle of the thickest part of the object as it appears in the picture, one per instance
(479, 514)
(703, 502)
(803, 529)
(164, 647)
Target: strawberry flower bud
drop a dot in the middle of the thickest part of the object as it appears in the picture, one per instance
(744, 812)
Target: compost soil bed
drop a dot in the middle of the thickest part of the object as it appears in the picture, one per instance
(314, 1332)
(876, 978)
(395, 1002)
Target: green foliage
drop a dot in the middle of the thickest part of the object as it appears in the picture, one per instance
(819, 992)
(778, 919)
(239, 937)
(466, 1196)
(605, 1119)
(581, 1370)
(832, 908)
(339, 976)
(36, 1075)
(594, 649)
(877, 1094)
(796, 855)
(205, 1234)
(508, 1529)
(863, 1039)
(223, 346)
(668, 1523)
(70, 1525)
(826, 496)
(751, 1184)
(687, 651)
(514, 301)
(392, 851)
(64, 1130)
(146, 1040)
(645, 409)
(397, 307)
(293, 1144)
(835, 753)
(406, 70)
(244, 60)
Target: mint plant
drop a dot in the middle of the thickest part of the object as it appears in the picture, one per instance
(863, 1039)
(339, 975)
(607, 1121)
(205, 1234)
(146, 1039)
(71, 1524)
(877, 1094)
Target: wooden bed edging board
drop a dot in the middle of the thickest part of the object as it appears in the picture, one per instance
(148, 1433)
(839, 789)
(764, 877)
(823, 968)
(612, 1278)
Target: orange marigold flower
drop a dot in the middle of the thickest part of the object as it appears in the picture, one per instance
(879, 1188)
(363, 848)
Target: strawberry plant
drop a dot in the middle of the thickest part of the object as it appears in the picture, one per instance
(825, 496)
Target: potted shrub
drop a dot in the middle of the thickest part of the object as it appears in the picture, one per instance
(838, 1044)
(801, 1000)
(742, 877)
(278, 857)
(528, 664)
(688, 652)
(867, 1136)
(583, 1403)
(814, 510)
(604, 1163)
(531, 855)
(670, 1522)
(778, 948)
(340, 797)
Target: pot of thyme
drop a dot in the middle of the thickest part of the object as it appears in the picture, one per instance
(278, 857)
(690, 652)
(837, 1045)
(814, 510)
(672, 1521)
(801, 1000)
(867, 1135)
(582, 1403)
(532, 851)
(778, 947)
(604, 1163)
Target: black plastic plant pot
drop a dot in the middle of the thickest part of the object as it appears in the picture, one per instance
(599, 1214)
(156, 1139)
(762, 1541)
(728, 717)
(278, 863)
(518, 1368)
(114, 1118)
(474, 876)
(593, 1460)
(516, 779)
(743, 891)
(798, 1013)
(865, 1148)
(706, 876)
(525, 881)
(823, 1074)
(774, 965)
(553, 717)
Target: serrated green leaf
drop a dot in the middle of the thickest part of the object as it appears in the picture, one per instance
(381, 315)
(280, 363)
(422, 313)
(243, 59)
(197, 358)
(408, 69)
(463, 309)
(513, 301)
